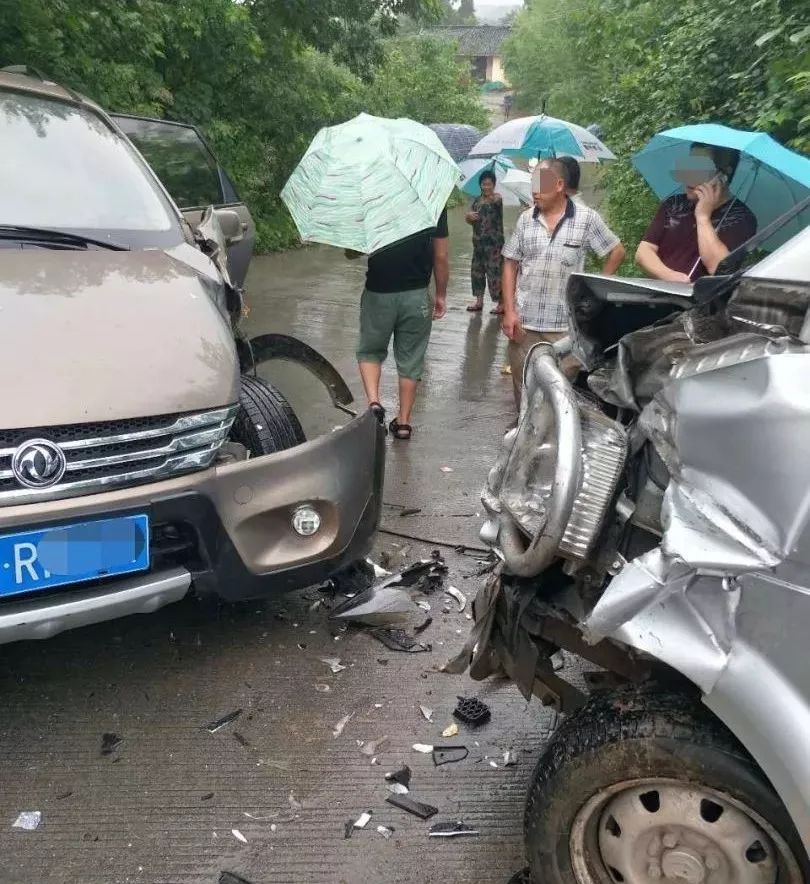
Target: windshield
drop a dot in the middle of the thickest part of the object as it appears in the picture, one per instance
(64, 168)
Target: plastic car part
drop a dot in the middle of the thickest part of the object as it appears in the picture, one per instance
(449, 754)
(402, 776)
(399, 640)
(417, 808)
(471, 711)
(451, 830)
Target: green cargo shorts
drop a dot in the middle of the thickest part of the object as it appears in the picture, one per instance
(408, 316)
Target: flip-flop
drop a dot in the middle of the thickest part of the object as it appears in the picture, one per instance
(400, 431)
(474, 308)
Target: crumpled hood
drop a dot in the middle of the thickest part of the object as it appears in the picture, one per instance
(101, 335)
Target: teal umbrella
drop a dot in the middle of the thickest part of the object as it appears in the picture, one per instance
(370, 182)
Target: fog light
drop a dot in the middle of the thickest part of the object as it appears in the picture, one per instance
(306, 521)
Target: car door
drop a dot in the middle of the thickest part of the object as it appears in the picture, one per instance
(184, 162)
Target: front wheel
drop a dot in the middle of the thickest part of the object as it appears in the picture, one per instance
(265, 422)
(644, 787)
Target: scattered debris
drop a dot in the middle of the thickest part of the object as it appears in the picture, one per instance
(348, 829)
(302, 646)
(426, 712)
(241, 740)
(425, 606)
(322, 688)
(399, 640)
(557, 661)
(459, 596)
(207, 797)
(295, 805)
(510, 758)
(385, 831)
(524, 876)
(449, 754)
(417, 808)
(380, 570)
(28, 820)
(398, 789)
(373, 747)
(451, 730)
(338, 728)
(423, 748)
(334, 664)
(314, 607)
(411, 511)
(471, 711)
(215, 725)
(354, 578)
(493, 764)
(239, 836)
(362, 821)
(110, 742)
(451, 830)
(423, 626)
(62, 795)
(447, 469)
(230, 878)
(378, 605)
(401, 776)
(382, 661)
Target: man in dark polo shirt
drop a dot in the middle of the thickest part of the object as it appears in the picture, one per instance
(397, 303)
(693, 231)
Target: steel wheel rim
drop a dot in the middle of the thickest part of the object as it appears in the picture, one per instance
(685, 857)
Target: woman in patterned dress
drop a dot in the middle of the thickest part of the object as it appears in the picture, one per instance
(486, 218)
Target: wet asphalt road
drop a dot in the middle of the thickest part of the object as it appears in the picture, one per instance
(161, 807)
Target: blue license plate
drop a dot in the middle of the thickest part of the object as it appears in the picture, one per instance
(33, 561)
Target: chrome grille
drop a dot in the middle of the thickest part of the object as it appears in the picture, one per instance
(116, 454)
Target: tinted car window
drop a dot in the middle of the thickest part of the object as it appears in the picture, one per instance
(179, 158)
(64, 167)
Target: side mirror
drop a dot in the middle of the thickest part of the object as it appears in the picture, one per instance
(231, 225)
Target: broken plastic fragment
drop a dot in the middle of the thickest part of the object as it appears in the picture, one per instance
(385, 831)
(401, 776)
(378, 571)
(422, 747)
(471, 711)
(239, 836)
(322, 688)
(28, 820)
(378, 605)
(510, 758)
(451, 730)
(417, 808)
(447, 469)
(338, 728)
(215, 725)
(398, 789)
(449, 754)
(295, 805)
(373, 746)
(451, 830)
(425, 606)
(426, 712)
(458, 595)
(333, 663)
(109, 743)
(362, 821)
(493, 764)
(399, 640)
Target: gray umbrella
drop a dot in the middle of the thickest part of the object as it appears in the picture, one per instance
(457, 138)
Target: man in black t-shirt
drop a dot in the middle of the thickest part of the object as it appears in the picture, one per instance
(397, 303)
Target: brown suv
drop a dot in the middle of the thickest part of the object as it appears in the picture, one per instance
(140, 453)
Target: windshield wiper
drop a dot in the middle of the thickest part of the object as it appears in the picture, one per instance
(45, 234)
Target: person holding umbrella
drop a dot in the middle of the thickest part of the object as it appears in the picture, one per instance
(486, 218)
(693, 231)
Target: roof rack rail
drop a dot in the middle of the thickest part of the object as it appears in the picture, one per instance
(28, 70)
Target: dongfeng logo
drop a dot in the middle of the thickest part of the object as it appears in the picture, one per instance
(38, 463)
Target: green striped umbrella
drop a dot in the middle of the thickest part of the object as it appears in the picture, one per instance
(370, 182)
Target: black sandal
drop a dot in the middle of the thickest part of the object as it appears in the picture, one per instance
(400, 431)
(379, 413)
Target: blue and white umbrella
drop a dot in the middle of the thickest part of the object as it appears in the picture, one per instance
(471, 169)
(542, 136)
(769, 179)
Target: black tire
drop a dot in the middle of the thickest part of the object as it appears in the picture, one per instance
(636, 734)
(265, 422)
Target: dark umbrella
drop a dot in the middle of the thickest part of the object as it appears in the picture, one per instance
(457, 138)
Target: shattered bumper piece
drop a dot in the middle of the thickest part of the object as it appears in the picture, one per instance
(417, 808)
(451, 830)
